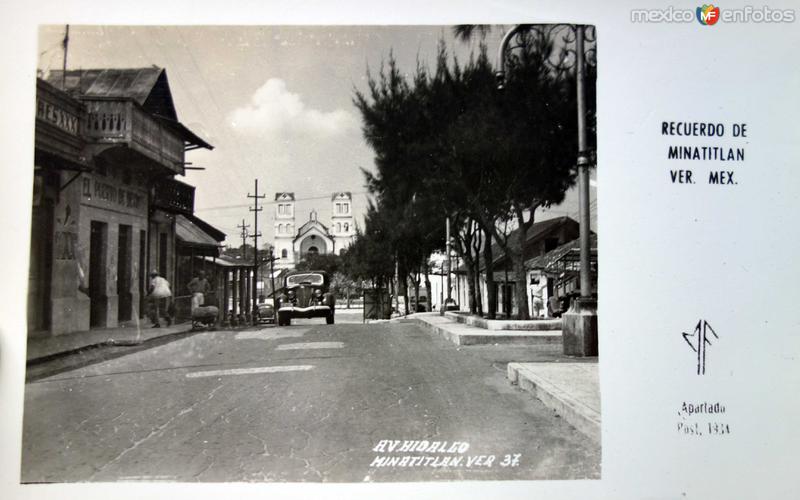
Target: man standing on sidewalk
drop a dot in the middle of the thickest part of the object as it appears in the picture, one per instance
(159, 294)
(198, 287)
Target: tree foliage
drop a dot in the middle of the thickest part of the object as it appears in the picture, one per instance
(447, 143)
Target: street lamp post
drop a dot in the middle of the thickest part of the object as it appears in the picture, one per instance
(580, 322)
(583, 164)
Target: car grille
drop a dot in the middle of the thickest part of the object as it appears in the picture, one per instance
(303, 295)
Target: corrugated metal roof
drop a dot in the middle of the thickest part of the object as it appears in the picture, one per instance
(134, 83)
(546, 261)
(191, 234)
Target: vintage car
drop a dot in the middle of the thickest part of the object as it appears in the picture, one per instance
(306, 294)
(265, 312)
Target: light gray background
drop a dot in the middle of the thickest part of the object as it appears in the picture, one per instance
(669, 253)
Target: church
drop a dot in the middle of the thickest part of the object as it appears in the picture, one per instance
(292, 241)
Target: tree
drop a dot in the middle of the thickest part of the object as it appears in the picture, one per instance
(396, 127)
(451, 143)
(540, 103)
(369, 259)
(241, 252)
(330, 263)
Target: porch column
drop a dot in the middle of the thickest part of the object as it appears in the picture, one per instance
(246, 294)
(242, 297)
(235, 291)
(224, 305)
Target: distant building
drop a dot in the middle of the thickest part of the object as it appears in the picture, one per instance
(550, 267)
(293, 243)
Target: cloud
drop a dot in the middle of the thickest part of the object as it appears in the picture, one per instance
(273, 109)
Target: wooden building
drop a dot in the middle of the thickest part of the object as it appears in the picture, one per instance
(109, 146)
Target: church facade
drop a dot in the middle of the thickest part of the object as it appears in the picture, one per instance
(293, 241)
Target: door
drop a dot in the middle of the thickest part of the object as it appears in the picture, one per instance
(98, 243)
(40, 270)
(143, 271)
(124, 296)
(162, 255)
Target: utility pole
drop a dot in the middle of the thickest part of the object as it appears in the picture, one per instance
(272, 260)
(255, 209)
(64, 66)
(244, 227)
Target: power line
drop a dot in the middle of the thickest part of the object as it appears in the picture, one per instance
(226, 207)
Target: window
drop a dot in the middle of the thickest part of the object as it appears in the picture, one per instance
(280, 209)
(338, 227)
(346, 208)
(346, 227)
(284, 254)
(550, 244)
(289, 228)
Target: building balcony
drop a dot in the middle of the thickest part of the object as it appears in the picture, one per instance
(174, 196)
(122, 122)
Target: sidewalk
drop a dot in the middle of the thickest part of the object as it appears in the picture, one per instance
(463, 334)
(46, 347)
(570, 389)
(567, 385)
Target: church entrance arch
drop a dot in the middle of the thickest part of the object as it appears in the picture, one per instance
(313, 244)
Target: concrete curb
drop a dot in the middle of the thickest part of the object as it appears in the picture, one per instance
(502, 324)
(468, 335)
(576, 412)
(106, 343)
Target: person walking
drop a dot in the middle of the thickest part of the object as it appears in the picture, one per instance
(158, 296)
(198, 287)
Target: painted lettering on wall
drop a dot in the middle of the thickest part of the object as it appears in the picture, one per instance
(53, 115)
(99, 190)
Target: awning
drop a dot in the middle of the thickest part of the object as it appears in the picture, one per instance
(192, 140)
(227, 262)
(190, 234)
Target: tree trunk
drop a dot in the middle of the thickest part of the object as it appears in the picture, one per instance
(428, 288)
(491, 297)
(476, 275)
(404, 291)
(515, 250)
(416, 291)
(470, 285)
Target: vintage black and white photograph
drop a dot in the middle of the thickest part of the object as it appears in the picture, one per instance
(313, 254)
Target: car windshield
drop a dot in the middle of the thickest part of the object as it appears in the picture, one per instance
(304, 279)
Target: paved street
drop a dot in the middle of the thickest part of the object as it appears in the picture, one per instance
(307, 402)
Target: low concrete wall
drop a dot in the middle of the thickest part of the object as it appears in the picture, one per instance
(501, 324)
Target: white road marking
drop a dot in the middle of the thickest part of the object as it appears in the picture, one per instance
(270, 334)
(310, 345)
(246, 371)
(148, 478)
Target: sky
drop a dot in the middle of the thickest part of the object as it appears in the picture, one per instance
(276, 102)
